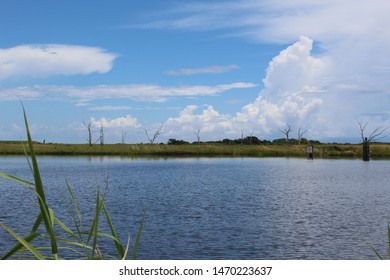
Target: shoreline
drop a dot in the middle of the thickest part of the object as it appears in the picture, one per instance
(350, 151)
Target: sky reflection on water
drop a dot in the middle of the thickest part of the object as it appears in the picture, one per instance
(221, 208)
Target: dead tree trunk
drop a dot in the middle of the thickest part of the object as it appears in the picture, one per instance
(155, 135)
(374, 136)
(302, 131)
(123, 136)
(101, 134)
(197, 134)
(286, 131)
(88, 126)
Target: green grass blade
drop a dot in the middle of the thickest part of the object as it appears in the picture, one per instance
(46, 215)
(25, 183)
(51, 216)
(375, 251)
(75, 243)
(95, 224)
(48, 220)
(118, 245)
(75, 205)
(135, 249)
(66, 229)
(29, 238)
(37, 223)
(80, 253)
(127, 249)
(26, 154)
(24, 242)
(19, 246)
(107, 235)
(76, 221)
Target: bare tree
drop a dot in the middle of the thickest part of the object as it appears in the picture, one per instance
(101, 138)
(242, 137)
(197, 134)
(375, 135)
(286, 131)
(88, 126)
(155, 135)
(301, 131)
(123, 136)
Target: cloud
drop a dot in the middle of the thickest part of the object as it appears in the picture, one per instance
(121, 122)
(297, 93)
(208, 121)
(113, 129)
(292, 89)
(49, 60)
(290, 95)
(207, 70)
(349, 32)
(276, 20)
(335, 75)
(137, 92)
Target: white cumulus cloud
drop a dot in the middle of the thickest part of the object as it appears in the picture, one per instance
(292, 94)
(49, 60)
(298, 93)
(343, 80)
(121, 122)
(292, 90)
(208, 122)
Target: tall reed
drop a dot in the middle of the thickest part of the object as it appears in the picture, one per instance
(83, 243)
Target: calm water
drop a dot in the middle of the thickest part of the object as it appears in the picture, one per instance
(220, 208)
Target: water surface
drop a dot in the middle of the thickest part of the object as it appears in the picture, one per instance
(220, 208)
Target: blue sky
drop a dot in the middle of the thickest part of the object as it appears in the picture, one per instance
(219, 67)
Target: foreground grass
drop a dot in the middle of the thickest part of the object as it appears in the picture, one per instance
(79, 240)
(378, 151)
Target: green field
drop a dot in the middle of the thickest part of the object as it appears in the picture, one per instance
(378, 151)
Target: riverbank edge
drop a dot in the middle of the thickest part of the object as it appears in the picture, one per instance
(378, 151)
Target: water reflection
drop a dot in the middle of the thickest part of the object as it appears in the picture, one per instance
(230, 208)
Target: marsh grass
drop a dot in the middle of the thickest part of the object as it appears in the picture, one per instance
(78, 240)
(378, 150)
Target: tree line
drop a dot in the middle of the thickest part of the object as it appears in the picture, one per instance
(376, 134)
(249, 140)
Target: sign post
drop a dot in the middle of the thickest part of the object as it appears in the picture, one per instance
(366, 150)
(309, 150)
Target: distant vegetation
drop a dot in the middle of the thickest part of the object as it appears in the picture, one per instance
(249, 140)
(246, 147)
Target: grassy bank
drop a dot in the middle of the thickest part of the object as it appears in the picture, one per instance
(378, 151)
